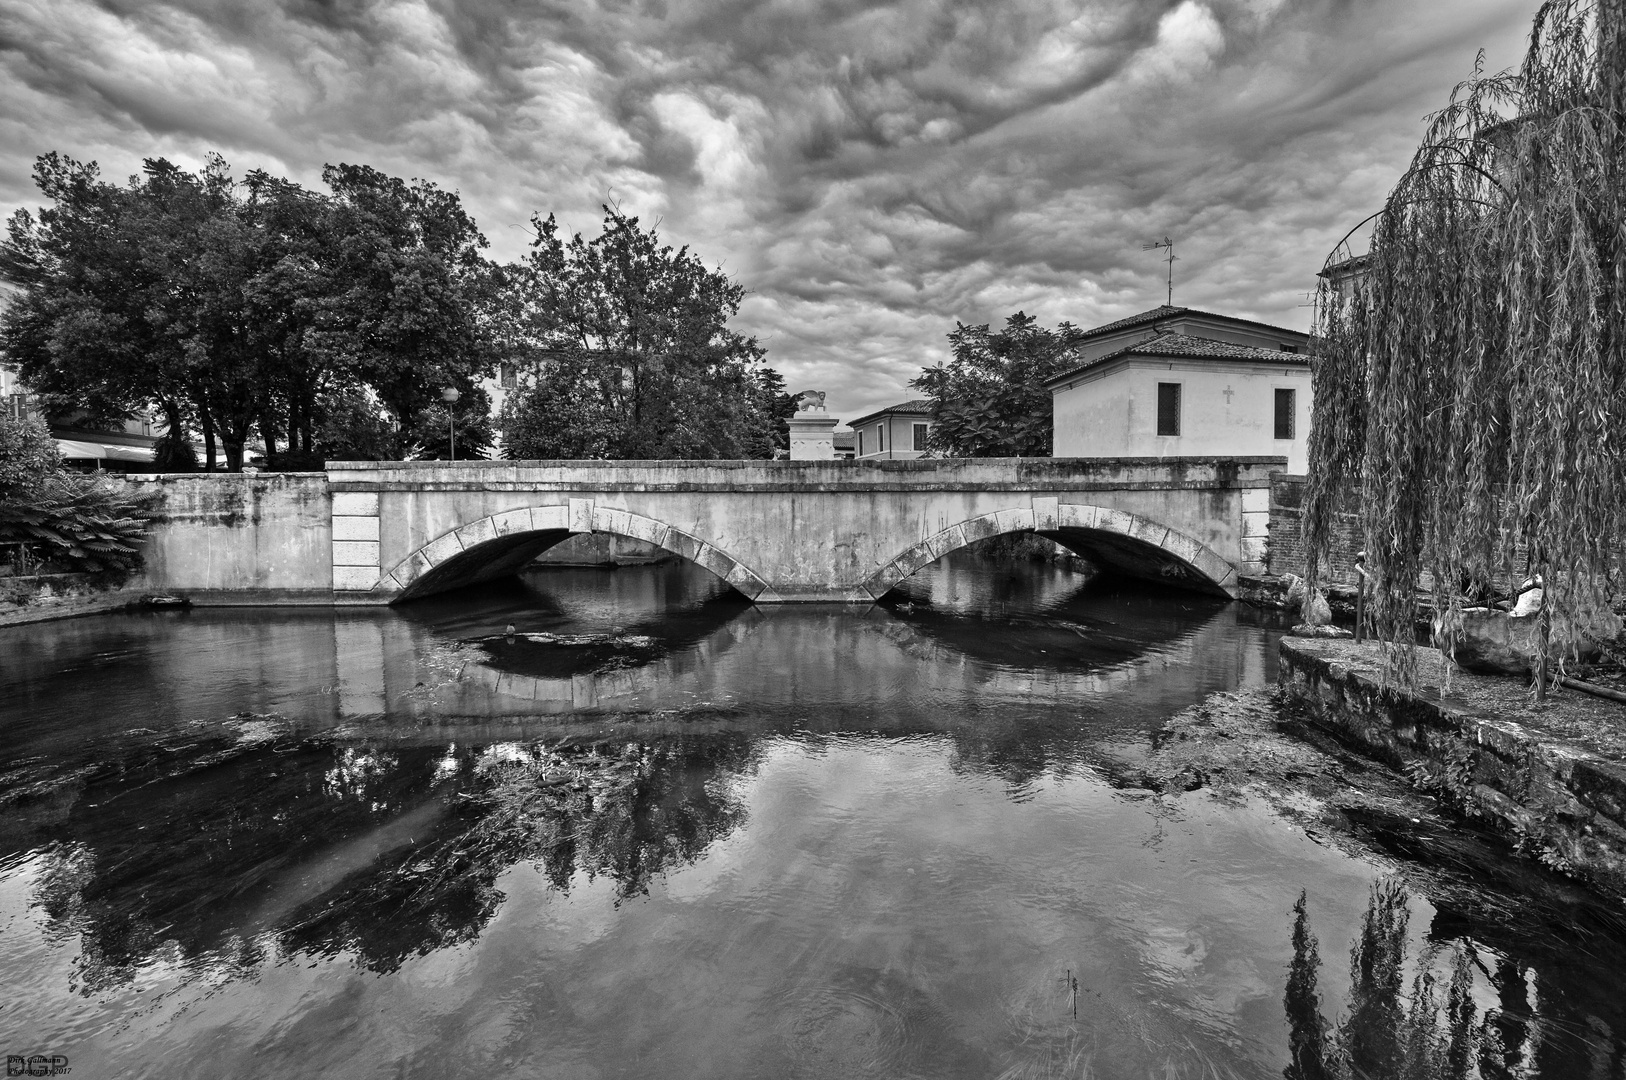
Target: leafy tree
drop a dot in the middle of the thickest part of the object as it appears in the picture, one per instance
(634, 355)
(28, 456)
(238, 306)
(1472, 382)
(989, 400)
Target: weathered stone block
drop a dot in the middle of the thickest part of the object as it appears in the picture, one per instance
(477, 532)
(950, 539)
(681, 543)
(742, 579)
(1046, 512)
(1256, 501)
(882, 580)
(356, 553)
(581, 515)
(1109, 520)
(643, 528)
(355, 528)
(1149, 531)
(548, 518)
(355, 504)
(513, 521)
(354, 578)
(1020, 520)
(442, 548)
(980, 528)
(1076, 516)
(610, 521)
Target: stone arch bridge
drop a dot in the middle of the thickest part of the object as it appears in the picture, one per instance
(783, 531)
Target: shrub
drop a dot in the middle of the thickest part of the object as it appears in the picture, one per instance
(28, 455)
(84, 523)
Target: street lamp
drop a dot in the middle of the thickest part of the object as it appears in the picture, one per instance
(450, 396)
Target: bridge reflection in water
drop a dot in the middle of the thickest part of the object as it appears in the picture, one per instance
(840, 844)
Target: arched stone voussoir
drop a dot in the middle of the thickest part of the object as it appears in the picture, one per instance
(940, 543)
(1185, 559)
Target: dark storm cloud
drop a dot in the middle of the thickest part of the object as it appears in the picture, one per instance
(872, 172)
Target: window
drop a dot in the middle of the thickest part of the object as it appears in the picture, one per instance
(508, 375)
(1284, 414)
(1168, 408)
(860, 444)
(880, 438)
(920, 436)
(1290, 348)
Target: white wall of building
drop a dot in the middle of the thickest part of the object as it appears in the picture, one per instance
(1227, 408)
(890, 437)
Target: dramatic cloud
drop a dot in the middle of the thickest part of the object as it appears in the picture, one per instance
(871, 172)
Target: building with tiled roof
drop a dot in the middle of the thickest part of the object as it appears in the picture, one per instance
(895, 432)
(1179, 382)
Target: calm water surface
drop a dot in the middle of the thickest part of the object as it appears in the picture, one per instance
(657, 832)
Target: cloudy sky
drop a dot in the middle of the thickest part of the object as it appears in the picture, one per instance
(871, 172)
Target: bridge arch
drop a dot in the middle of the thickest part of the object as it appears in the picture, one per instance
(502, 544)
(1113, 539)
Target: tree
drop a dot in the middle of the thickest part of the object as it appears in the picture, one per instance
(633, 354)
(989, 400)
(1473, 383)
(239, 306)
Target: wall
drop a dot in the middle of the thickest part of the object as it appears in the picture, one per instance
(1112, 411)
(900, 437)
(1285, 551)
(263, 538)
(1554, 795)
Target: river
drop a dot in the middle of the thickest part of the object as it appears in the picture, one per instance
(597, 823)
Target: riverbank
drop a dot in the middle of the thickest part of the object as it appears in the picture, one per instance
(1550, 779)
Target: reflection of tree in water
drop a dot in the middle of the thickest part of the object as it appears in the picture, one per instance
(1435, 1028)
(387, 855)
(627, 811)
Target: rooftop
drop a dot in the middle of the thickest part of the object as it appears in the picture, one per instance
(1184, 346)
(913, 407)
(1164, 311)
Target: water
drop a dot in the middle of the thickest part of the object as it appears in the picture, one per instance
(658, 832)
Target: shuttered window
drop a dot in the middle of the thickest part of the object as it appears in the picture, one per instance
(920, 436)
(1168, 408)
(1284, 414)
(860, 444)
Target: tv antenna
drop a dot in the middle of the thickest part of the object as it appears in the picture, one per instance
(1165, 243)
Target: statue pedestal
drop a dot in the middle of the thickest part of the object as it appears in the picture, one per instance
(810, 436)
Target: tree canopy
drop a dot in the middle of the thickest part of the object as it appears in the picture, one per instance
(632, 353)
(241, 306)
(989, 399)
(1471, 377)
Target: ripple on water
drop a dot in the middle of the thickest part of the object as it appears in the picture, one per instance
(836, 1031)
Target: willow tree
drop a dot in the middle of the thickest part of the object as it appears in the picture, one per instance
(1471, 377)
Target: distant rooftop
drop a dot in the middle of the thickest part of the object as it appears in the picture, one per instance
(1164, 311)
(914, 407)
(1184, 346)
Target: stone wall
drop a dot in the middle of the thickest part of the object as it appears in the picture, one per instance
(230, 538)
(1285, 551)
(1559, 797)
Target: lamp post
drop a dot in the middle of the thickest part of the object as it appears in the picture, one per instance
(450, 396)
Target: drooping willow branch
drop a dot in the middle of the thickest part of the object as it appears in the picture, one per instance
(1470, 370)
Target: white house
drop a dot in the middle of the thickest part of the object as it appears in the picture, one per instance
(1177, 382)
(897, 431)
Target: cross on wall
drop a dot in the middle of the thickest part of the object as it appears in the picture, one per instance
(1227, 392)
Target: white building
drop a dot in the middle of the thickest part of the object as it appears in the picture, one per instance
(1176, 382)
(897, 431)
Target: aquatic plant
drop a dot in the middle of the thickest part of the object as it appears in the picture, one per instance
(1471, 367)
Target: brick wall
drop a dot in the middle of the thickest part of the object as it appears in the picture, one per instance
(1284, 549)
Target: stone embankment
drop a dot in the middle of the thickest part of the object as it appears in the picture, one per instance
(1551, 778)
